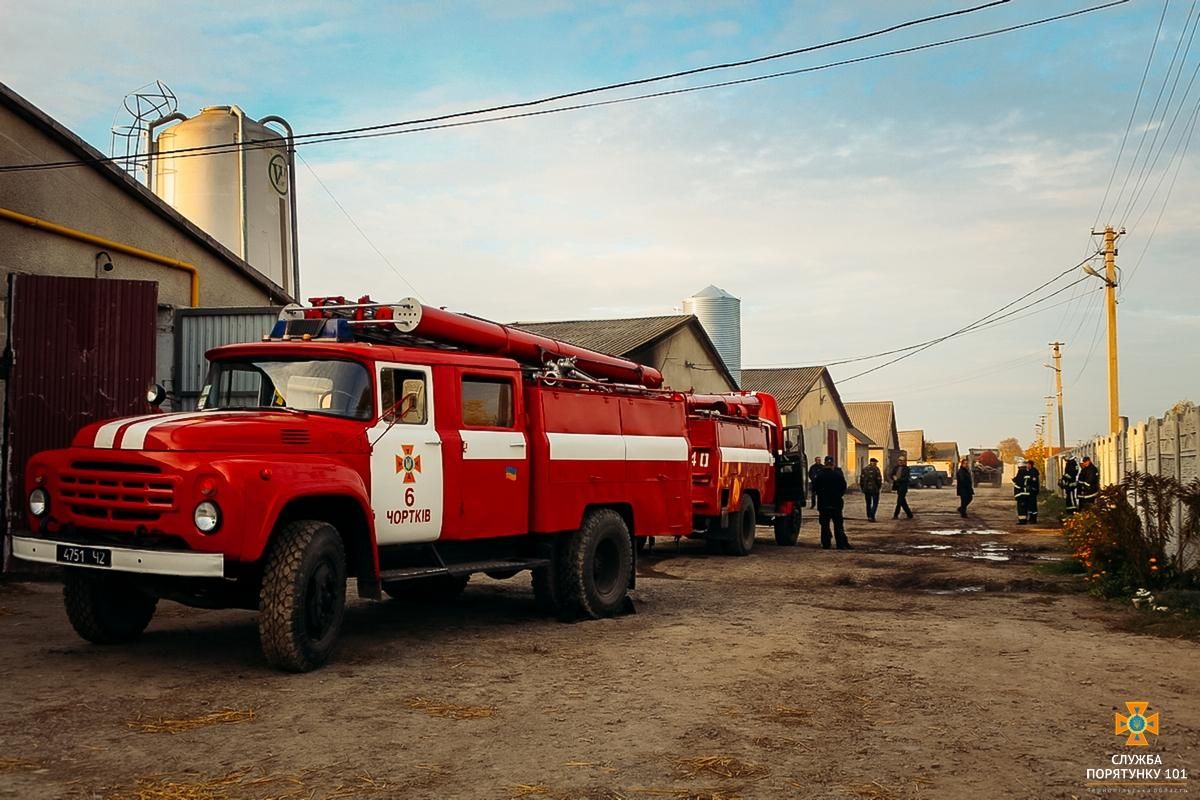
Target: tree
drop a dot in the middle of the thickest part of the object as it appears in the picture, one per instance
(1010, 450)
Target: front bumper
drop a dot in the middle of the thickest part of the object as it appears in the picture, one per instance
(124, 559)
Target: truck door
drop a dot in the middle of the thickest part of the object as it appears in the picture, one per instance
(406, 457)
(492, 476)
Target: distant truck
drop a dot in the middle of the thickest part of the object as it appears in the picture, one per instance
(986, 466)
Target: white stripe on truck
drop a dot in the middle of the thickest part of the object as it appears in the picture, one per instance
(615, 447)
(745, 455)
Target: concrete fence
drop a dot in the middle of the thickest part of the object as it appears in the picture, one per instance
(1168, 446)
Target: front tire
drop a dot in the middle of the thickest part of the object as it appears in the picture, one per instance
(303, 596)
(743, 530)
(787, 528)
(595, 567)
(105, 607)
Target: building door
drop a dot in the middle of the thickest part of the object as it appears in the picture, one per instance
(79, 350)
(831, 444)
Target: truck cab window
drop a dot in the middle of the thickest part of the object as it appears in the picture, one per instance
(402, 396)
(487, 402)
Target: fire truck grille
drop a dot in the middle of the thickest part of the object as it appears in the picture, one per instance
(294, 436)
(117, 491)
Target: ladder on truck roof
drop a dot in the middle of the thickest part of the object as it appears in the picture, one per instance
(411, 323)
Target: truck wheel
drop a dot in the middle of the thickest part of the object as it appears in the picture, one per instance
(303, 596)
(440, 589)
(106, 608)
(595, 566)
(744, 528)
(787, 528)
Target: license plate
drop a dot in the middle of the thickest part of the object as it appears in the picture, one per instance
(84, 556)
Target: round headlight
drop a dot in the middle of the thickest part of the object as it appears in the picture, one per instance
(39, 502)
(207, 517)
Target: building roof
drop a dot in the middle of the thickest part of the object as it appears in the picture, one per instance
(790, 385)
(877, 419)
(66, 139)
(626, 337)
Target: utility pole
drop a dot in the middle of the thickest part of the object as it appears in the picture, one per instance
(1110, 296)
(1049, 423)
(1062, 432)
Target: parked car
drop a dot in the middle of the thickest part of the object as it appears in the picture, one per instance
(924, 476)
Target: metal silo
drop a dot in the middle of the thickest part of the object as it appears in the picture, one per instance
(721, 315)
(244, 197)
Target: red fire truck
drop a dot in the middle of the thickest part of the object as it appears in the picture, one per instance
(402, 445)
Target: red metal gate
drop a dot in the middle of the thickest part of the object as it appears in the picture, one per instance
(79, 350)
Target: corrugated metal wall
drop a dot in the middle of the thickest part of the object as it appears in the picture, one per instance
(198, 330)
(81, 350)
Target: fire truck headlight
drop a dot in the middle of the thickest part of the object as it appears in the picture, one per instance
(207, 517)
(39, 502)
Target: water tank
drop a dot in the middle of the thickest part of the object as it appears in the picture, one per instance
(721, 315)
(242, 197)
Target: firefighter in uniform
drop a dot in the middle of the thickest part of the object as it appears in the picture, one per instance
(813, 471)
(829, 487)
(1088, 483)
(1026, 485)
(1070, 486)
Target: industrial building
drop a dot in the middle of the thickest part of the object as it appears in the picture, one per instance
(808, 397)
(721, 315)
(877, 419)
(95, 265)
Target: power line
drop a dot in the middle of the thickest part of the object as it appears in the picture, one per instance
(1154, 108)
(1132, 114)
(361, 232)
(394, 129)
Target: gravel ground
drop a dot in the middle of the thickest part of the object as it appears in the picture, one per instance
(925, 663)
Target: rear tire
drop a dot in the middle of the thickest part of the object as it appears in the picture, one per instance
(787, 528)
(595, 567)
(743, 525)
(105, 607)
(303, 596)
(439, 589)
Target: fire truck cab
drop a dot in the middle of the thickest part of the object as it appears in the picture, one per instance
(404, 446)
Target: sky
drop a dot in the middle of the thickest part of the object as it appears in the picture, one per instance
(854, 210)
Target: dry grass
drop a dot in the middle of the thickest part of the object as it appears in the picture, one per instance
(878, 791)
(528, 789)
(779, 743)
(789, 715)
(241, 784)
(719, 766)
(173, 726)
(685, 793)
(14, 764)
(449, 710)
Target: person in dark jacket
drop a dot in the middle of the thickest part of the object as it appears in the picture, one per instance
(829, 487)
(1026, 485)
(964, 486)
(871, 483)
(1069, 483)
(900, 477)
(1089, 483)
(813, 472)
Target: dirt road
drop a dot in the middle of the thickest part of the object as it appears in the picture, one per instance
(923, 663)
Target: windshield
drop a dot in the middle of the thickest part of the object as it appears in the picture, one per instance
(341, 388)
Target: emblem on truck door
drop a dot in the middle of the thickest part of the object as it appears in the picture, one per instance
(409, 464)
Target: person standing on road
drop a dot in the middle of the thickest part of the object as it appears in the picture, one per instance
(1089, 483)
(813, 472)
(900, 477)
(964, 486)
(829, 489)
(1026, 485)
(1070, 486)
(871, 483)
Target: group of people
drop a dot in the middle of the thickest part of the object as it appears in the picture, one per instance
(828, 484)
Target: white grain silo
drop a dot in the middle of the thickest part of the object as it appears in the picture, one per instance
(721, 315)
(244, 197)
